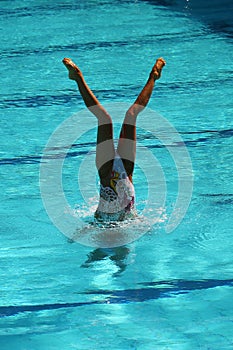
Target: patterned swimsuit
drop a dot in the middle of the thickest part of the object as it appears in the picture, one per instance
(116, 202)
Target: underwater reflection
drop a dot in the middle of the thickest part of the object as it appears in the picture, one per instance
(118, 255)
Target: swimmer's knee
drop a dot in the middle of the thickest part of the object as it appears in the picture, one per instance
(131, 113)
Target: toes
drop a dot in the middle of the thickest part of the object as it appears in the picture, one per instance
(67, 62)
(160, 63)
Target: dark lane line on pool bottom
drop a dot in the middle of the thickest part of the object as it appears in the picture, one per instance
(168, 289)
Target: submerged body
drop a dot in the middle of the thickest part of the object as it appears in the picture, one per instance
(117, 200)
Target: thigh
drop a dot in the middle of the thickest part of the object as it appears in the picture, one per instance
(105, 151)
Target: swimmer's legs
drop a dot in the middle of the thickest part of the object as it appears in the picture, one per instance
(127, 142)
(105, 151)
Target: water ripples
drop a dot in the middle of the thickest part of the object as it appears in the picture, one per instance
(151, 291)
(92, 46)
(203, 231)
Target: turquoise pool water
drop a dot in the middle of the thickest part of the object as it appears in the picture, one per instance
(163, 291)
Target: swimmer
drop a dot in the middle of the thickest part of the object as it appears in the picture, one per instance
(115, 166)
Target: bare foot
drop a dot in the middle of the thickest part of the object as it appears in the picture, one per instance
(157, 69)
(74, 71)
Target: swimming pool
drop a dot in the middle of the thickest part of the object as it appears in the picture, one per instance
(163, 291)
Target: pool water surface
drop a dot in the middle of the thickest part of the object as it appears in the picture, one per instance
(164, 290)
